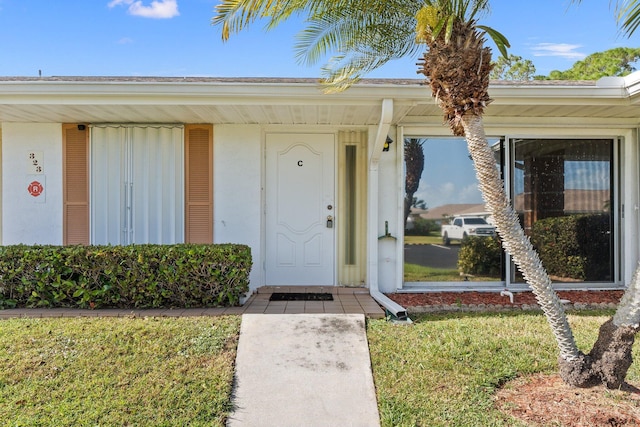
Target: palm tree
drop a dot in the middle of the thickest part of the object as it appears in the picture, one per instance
(368, 33)
(414, 164)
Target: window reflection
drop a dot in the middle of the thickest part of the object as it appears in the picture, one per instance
(440, 185)
(563, 195)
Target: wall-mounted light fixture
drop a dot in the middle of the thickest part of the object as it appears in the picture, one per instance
(81, 127)
(387, 144)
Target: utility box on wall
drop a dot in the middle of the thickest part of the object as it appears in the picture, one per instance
(387, 262)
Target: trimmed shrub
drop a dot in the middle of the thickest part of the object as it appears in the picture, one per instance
(134, 276)
(480, 256)
(575, 247)
(422, 227)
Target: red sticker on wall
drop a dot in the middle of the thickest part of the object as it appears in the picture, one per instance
(35, 188)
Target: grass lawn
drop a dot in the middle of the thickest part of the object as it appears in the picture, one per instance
(418, 273)
(117, 371)
(444, 369)
(440, 371)
(423, 240)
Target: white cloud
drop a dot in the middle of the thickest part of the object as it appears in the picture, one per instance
(125, 40)
(445, 193)
(470, 194)
(587, 175)
(563, 50)
(158, 9)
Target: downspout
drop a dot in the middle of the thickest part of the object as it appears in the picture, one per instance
(391, 307)
(507, 293)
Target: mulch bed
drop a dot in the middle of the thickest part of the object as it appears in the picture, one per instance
(544, 400)
(433, 301)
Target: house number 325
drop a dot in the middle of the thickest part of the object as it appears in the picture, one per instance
(35, 163)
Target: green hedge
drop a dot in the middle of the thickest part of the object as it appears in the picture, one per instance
(575, 247)
(480, 256)
(422, 227)
(134, 276)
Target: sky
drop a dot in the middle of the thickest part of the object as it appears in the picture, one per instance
(438, 186)
(170, 38)
(175, 38)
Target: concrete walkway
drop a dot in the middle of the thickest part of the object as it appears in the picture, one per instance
(303, 369)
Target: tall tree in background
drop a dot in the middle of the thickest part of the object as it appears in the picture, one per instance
(513, 67)
(414, 165)
(617, 62)
(368, 33)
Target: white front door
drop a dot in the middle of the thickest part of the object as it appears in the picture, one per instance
(300, 209)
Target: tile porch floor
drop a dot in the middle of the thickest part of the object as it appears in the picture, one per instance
(345, 300)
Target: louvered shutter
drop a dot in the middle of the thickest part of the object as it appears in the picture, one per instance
(199, 183)
(76, 185)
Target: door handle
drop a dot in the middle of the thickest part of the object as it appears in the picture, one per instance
(329, 221)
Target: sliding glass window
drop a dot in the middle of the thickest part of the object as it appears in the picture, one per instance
(563, 191)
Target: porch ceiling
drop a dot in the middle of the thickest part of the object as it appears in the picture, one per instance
(338, 115)
(347, 115)
(295, 102)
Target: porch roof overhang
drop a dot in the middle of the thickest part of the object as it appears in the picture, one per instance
(280, 101)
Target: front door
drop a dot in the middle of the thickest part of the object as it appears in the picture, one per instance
(300, 209)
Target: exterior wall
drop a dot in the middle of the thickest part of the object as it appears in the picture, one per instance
(388, 215)
(630, 189)
(238, 196)
(237, 166)
(27, 219)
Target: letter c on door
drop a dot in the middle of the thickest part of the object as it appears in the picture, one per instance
(300, 163)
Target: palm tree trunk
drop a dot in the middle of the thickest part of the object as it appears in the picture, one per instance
(514, 241)
(408, 199)
(610, 357)
(628, 312)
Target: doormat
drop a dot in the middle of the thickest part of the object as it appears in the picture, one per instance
(300, 296)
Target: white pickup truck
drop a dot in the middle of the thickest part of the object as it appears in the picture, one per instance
(463, 226)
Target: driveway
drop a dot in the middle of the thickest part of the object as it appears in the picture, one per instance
(437, 256)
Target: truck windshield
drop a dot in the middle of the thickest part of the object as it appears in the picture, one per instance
(475, 221)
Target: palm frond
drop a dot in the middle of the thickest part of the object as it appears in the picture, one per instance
(628, 16)
(500, 40)
(235, 15)
(388, 36)
(449, 29)
(438, 15)
(342, 71)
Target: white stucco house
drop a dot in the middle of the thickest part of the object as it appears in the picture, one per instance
(303, 178)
